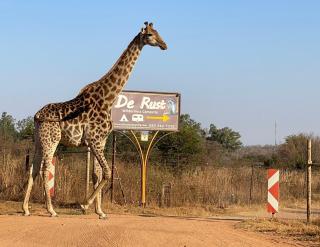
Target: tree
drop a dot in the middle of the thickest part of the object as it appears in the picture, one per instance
(7, 127)
(227, 137)
(185, 146)
(293, 153)
(25, 128)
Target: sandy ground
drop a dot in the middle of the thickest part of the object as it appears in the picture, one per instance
(127, 230)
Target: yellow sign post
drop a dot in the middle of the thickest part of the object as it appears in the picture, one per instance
(144, 156)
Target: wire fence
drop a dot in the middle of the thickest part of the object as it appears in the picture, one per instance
(204, 186)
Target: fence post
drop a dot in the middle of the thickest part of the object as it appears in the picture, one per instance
(113, 164)
(165, 195)
(251, 186)
(162, 201)
(27, 159)
(88, 173)
(309, 182)
(4, 158)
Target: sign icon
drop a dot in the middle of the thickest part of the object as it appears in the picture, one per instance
(171, 107)
(164, 118)
(137, 117)
(124, 118)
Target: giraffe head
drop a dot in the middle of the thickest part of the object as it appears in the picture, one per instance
(150, 36)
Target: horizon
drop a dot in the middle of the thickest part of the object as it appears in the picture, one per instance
(243, 65)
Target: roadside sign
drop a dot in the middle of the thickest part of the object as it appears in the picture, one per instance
(273, 191)
(135, 110)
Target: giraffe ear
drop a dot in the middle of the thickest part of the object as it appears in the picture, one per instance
(142, 30)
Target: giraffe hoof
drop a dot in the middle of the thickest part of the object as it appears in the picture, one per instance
(103, 217)
(27, 214)
(84, 208)
(53, 215)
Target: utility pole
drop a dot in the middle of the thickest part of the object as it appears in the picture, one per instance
(275, 133)
(251, 185)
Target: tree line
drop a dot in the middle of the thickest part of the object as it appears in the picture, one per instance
(12, 130)
(191, 146)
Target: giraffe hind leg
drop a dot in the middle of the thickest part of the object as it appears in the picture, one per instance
(33, 173)
(34, 170)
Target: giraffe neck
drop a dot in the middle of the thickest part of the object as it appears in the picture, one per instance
(114, 81)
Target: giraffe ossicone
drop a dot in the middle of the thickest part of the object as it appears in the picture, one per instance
(85, 120)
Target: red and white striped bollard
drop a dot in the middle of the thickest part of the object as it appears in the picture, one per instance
(273, 191)
(51, 176)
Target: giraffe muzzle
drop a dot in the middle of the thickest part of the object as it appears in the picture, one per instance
(163, 46)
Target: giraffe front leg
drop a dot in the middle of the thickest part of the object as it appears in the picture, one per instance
(97, 178)
(98, 151)
(46, 173)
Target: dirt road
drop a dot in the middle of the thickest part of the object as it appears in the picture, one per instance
(126, 230)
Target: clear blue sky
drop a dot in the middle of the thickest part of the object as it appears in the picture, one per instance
(242, 64)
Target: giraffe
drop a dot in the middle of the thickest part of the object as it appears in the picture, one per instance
(85, 120)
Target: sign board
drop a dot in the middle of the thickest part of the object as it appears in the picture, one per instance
(135, 110)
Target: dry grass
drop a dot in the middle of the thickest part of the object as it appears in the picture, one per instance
(295, 229)
(206, 188)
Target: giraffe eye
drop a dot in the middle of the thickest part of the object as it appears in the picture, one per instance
(149, 34)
